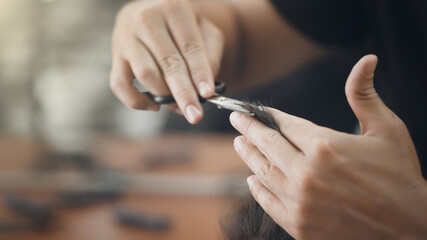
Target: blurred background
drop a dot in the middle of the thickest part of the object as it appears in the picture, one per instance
(75, 163)
(54, 72)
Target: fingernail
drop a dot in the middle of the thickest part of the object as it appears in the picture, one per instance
(204, 89)
(192, 113)
(250, 181)
(234, 117)
(238, 143)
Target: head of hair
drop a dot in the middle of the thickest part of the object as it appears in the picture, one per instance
(247, 220)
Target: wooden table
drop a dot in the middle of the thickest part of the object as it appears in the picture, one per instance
(194, 214)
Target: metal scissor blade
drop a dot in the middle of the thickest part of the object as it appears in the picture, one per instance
(230, 104)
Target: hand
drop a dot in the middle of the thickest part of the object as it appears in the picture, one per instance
(169, 48)
(318, 183)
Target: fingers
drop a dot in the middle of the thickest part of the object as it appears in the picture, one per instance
(147, 73)
(154, 33)
(270, 142)
(269, 202)
(362, 97)
(121, 85)
(214, 42)
(184, 28)
(168, 54)
(145, 69)
(298, 131)
(272, 177)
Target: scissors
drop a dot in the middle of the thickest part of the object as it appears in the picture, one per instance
(220, 101)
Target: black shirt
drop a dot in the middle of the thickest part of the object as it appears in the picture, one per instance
(396, 31)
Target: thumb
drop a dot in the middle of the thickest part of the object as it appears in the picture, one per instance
(362, 97)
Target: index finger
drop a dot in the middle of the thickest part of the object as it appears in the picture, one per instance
(185, 30)
(298, 131)
(154, 34)
(269, 141)
(121, 85)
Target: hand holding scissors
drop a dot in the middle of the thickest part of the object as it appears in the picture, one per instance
(217, 99)
(169, 48)
(255, 110)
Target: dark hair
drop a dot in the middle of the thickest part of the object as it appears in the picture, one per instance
(247, 220)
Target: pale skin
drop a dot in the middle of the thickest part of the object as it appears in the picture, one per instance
(179, 46)
(316, 183)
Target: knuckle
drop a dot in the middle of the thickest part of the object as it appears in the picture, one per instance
(308, 185)
(285, 123)
(273, 174)
(266, 170)
(271, 138)
(146, 73)
(191, 47)
(171, 63)
(322, 149)
(183, 95)
(142, 17)
(367, 93)
(116, 83)
(363, 94)
(113, 82)
(114, 86)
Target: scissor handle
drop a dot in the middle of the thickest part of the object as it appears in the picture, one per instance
(219, 89)
(160, 99)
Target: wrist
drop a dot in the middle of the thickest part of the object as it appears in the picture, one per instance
(418, 229)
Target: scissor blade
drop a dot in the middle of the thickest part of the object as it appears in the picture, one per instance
(229, 103)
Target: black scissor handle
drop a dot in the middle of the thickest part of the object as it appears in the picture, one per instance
(160, 99)
(219, 89)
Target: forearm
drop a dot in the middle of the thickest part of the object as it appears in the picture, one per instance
(260, 45)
